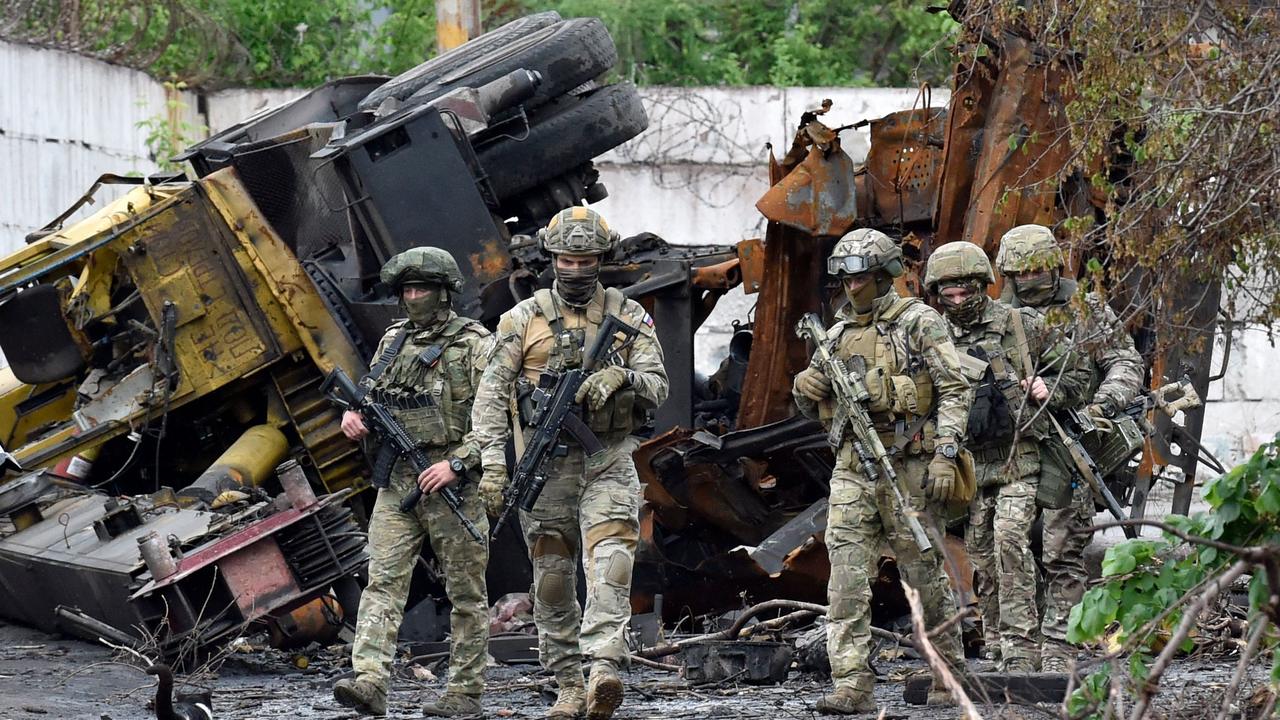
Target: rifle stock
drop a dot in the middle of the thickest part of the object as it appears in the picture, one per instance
(851, 413)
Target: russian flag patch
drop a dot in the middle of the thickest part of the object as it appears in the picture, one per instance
(648, 320)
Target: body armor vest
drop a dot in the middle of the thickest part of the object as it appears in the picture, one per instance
(555, 341)
(427, 386)
(897, 377)
(999, 396)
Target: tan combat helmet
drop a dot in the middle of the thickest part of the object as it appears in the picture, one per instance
(577, 231)
(1029, 248)
(959, 260)
(422, 264)
(864, 250)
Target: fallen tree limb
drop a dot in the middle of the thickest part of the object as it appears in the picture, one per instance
(936, 663)
(800, 609)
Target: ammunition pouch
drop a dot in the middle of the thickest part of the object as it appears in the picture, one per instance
(1057, 477)
(425, 424)
(617, 417)
(1112, 449)
(896, 394)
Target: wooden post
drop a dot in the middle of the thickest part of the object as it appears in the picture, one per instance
(457, 21)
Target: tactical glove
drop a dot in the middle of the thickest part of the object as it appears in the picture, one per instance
(492, 483)
(813, 384)
(598, 388)
(1100, 414)
(942, 479)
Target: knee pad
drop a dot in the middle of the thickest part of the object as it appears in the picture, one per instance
(552, 588)
(617, 565)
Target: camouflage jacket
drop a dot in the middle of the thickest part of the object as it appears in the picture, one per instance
(1116, 367)
(525, 344)
(430, 384)
(914, 345)
(1063, 372)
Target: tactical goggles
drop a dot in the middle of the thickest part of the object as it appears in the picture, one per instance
(849, 264)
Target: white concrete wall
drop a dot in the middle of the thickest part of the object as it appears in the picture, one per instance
(65, 120)
(693, 177)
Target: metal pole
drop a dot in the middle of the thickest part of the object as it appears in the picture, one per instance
(457, 21)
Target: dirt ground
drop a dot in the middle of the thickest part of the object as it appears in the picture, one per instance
(44, 676)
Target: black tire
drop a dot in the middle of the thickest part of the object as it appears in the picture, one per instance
(411, 80)
(564, 135)
(567, 54)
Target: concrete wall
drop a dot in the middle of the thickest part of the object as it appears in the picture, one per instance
(692, 177)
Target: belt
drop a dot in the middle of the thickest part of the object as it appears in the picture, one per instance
(990, 455)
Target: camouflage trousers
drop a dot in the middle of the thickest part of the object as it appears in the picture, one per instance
(864, 515)
(395, 540)
(589, 509)
(999, 543)
(1064, 570)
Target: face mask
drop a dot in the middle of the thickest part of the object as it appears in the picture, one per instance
(426, 308)
(577, 285)
(862, 298)
(1036, 291)
(968, 311)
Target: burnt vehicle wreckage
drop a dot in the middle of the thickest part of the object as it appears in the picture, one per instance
(176, 473)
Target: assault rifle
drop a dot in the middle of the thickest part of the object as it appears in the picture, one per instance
(349, 396)
(555, 412)
(850, 391)
(1086, 469)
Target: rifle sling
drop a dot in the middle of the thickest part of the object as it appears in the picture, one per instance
(384, 360)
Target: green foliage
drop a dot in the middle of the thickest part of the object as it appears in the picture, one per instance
(1145, 578)
(167, 132)
(766, 42)
(273, 43)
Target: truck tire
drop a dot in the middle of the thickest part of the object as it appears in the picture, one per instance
(567, 55)
(411, 80)
(563, 135)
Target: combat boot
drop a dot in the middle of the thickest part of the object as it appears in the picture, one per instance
(453, 704)
(363, 695)
(571, 698)
(604, 691)
(1056, 657)
(845, 700)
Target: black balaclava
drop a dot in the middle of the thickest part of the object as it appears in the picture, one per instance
(968, 312)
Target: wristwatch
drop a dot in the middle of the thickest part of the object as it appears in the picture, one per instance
(947, 449)
(457, 466)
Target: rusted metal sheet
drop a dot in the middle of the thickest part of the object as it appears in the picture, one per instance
(904, 163)
(751, 264)
(794, 266)
(816, 191)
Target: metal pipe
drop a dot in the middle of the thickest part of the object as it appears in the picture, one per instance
(250, 460)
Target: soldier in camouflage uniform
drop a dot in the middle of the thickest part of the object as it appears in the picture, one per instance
(426, 370)
(1032, 263)
(590, 505)
(919, 401)
(1022, 373)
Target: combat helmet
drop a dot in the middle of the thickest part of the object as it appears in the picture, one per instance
(422, 264)
(864, 250)
(958, 260)
(577, 230)
(1029, 248)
